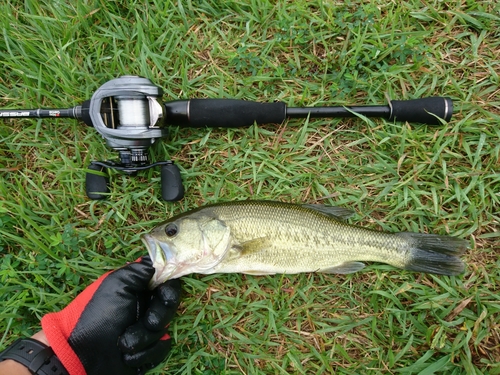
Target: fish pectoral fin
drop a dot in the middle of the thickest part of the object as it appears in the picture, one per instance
(338, 213)
(248, 247)
(344, 268)
(253, 246)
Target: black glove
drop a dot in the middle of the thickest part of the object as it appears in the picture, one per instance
(116, 325)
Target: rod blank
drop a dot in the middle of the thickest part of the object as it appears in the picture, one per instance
(74, 112)
(339, 112)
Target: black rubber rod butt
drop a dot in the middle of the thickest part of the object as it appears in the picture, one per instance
(96, 185)
(171, 183)
(428, 111)
(223, 113)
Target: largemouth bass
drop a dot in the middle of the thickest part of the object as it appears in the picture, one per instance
(267, 237)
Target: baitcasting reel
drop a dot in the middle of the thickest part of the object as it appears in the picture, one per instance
(126, 112)
(128, 115)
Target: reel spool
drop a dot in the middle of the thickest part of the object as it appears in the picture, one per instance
(126, 112)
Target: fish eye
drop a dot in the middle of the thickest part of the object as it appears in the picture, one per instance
(171, 230)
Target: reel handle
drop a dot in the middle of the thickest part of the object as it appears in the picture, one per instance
(97, 184)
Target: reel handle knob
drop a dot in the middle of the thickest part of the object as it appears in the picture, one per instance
(96, 185)
(171, 183)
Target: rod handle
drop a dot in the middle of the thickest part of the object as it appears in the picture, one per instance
(223, 113)
(425, 111)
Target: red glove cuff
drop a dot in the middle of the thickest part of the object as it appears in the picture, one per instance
(58, 327)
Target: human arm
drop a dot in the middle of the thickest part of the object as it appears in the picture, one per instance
(11, 367)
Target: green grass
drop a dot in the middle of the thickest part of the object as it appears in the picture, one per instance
(444, 179)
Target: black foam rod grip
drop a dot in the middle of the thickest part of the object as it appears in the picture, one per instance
(425, 111)
(171, 183)
(234, 113)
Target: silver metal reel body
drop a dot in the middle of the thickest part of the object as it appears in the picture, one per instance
(126, 112)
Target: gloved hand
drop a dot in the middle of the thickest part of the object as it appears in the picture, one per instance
(116, 325)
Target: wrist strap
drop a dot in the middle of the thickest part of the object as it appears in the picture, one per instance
(36, 356)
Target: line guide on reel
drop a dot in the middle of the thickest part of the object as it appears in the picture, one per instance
(128, 115)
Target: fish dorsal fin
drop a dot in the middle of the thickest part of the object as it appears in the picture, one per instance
(338, 213)
(346, 267)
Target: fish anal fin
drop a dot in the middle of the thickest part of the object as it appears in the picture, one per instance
(338, 213)
(344, 268)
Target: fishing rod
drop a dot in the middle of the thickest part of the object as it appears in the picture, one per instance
(127, 113)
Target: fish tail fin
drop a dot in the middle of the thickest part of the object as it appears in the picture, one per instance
(433, 253)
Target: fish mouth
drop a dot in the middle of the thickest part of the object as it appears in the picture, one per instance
(150, 245)
(161, 255)
(157, 251)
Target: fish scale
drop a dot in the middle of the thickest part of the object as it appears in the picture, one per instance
(314, 237)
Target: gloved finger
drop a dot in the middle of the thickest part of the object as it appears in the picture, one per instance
(163, 305)
(136, 338)
(151, 327)
(150, 357)
(134, 277)
(145, 259)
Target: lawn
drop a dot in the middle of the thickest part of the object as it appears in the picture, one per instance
(396, 176)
